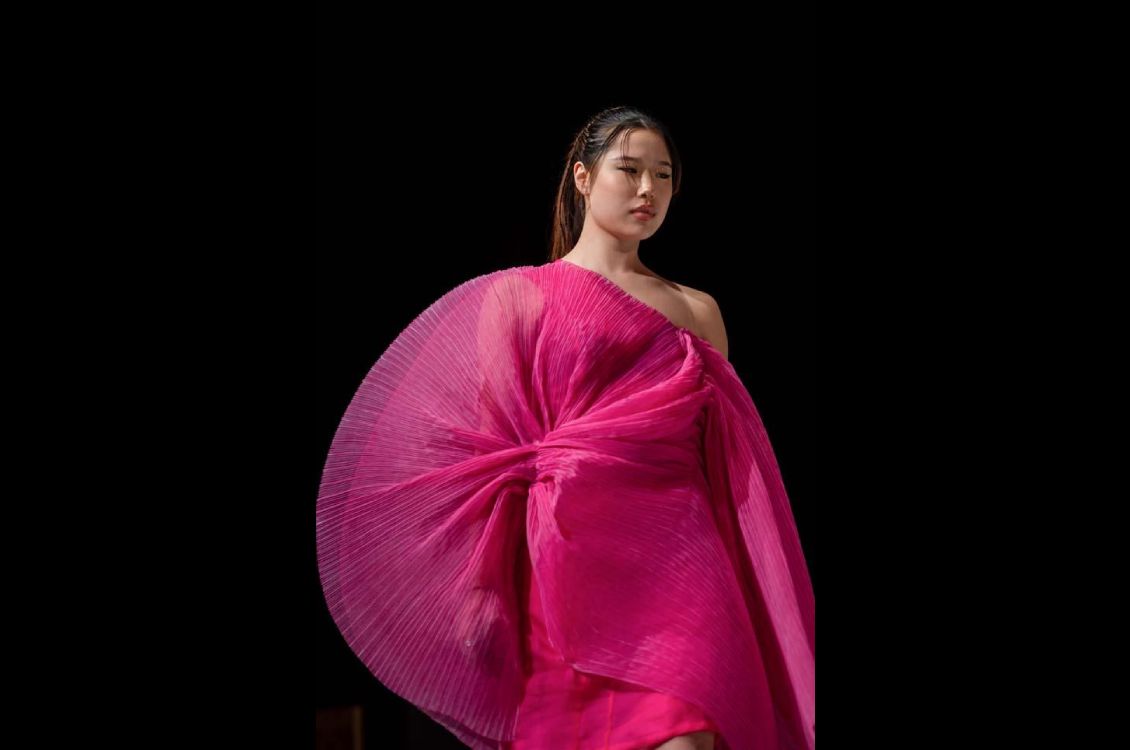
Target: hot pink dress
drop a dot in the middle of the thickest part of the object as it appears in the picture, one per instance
(566, 709)
(551, 518)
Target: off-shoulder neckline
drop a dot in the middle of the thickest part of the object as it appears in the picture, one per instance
(636, 301)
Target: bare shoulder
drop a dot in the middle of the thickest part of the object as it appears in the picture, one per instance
(693, 308)
(708, 316)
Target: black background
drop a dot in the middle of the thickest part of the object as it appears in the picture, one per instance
(220, 220)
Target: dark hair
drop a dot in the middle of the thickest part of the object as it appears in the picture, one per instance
(589, 146)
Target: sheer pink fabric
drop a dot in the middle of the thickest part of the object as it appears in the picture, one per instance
(543, 414)
(564, 709)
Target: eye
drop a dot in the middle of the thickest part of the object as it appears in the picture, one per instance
(664, 175)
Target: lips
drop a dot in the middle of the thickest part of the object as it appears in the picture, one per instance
(645, 209)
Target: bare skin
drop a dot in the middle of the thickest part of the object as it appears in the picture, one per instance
(693, 741)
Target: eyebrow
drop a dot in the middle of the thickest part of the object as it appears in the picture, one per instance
(632, 158)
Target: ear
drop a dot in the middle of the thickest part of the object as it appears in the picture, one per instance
(581, 178)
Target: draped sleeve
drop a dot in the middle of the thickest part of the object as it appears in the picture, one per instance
(543, 411)
(756, 523)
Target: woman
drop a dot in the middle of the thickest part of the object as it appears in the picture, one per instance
(551, 516)
(618, 198)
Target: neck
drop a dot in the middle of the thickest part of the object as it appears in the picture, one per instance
(606, 253)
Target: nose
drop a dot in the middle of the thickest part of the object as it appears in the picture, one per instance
(646, 186)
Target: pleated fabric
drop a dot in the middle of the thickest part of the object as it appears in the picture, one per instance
(541, 455)
(564, 709)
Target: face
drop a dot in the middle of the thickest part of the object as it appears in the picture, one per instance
(634, 172)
